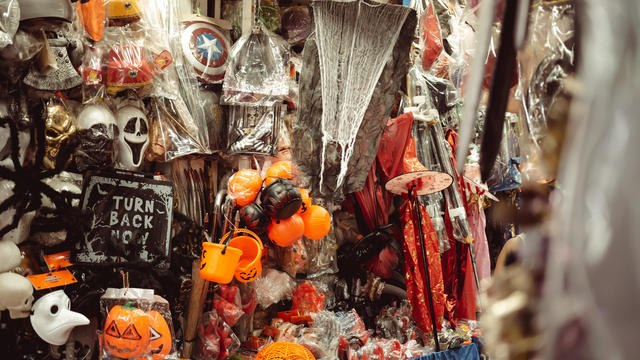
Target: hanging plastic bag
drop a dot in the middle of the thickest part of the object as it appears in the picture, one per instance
(254, 129)
(258, 71)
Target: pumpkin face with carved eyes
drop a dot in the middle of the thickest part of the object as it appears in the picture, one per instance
(126, 331)
(160, 340)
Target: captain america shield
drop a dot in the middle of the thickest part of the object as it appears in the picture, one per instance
(206, 48)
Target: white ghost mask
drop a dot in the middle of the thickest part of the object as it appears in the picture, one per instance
(134, 136)
(52, 318)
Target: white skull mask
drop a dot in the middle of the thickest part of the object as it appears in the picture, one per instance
(52, 318)
(134, 136)
(10, 256)
(16, 295)
(97, 130)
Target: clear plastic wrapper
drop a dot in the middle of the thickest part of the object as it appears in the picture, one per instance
(272, 286)
(296, 24)
(216, 339)
(229, 312)
(137, 324)
(9, 21)
(258, 71)
(506, 173)
(97, 133)
(254, 129)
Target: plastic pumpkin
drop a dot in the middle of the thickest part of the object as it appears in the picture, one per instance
(281, 169)
(306, 201)
(244, 186)
(280, 199)
(284, 351)
(317, 222)
(160, 339)
(286, 232)
(254, 218)
(126, 331)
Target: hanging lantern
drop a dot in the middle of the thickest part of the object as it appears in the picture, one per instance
(254, 218)
(280, 199)
(306, 201)
(281, 169)
(244, 186)
(317, 222)
(286, 232)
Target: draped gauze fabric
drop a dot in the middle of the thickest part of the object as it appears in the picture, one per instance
(348, 87)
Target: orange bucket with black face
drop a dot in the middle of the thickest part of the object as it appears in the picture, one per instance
(250, 264)
(219, 261)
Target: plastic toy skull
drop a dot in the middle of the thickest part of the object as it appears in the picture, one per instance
(52, 318)
(97, 130)
(134, 136)
(59, 128)
(16, 295)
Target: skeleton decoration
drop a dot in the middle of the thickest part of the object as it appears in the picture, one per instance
(97, 132)
(134, 137)
(59, 128)
(10, 256)
(16, 295)
(52, 318)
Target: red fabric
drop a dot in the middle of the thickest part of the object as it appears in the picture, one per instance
(417, 291)
(431, 36)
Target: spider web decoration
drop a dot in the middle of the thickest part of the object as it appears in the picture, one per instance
(354, 43)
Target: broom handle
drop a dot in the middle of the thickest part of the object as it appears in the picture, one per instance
(195, 309)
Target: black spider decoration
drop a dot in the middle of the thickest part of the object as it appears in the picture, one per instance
(27, 179)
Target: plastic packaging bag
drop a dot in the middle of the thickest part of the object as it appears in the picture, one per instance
(9, 21)
(254, 129)
(258, 71)
(272, 287)
(216, 339)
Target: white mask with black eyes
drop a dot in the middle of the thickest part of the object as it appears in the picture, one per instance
(134, 136)
(52, 318)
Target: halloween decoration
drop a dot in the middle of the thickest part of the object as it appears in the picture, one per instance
(92, 15)
(258, 70)
(350, 74)
(51, 9)
(206, 48)
(296, 24)
(122, 12)
(10, 21)
(10, 256)
(62, 76)
(244, 186)
(280, 199)
(97, 133)
(160, 339)
(134, 136)
(254, 129)
(128, 68)
(52, 318)
(219, 261)
(306, 201)
(254, 218)
(16, 295)
(126, 331)
(317, 222)
(250, 264)
(279, 170)
(284, 351)
(285, 232)
(59, 128)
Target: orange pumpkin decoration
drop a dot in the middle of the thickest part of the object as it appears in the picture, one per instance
(281, 169)
(317, 222)
(126, 331)
(306, 201)
(244, 186)
(160, 339)
(284, 351)
(286, 232)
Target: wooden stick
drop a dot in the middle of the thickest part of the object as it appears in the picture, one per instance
(194, 311)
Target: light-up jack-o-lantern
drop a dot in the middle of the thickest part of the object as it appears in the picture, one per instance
(134, 136)
(126, 331)
(160, 336)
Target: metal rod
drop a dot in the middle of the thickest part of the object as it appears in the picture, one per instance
(418, 223)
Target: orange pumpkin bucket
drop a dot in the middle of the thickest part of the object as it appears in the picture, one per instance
(219, 261)
(250, 264)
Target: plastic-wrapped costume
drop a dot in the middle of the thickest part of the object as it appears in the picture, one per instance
(308, 150)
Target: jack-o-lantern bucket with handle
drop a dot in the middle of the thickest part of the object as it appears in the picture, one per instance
(219, 261)
(250, 264)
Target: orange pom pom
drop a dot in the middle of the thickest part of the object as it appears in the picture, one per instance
(284, 351)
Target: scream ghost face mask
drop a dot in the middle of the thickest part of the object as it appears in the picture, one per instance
(97, 131)
(52, 318)
(134, 136)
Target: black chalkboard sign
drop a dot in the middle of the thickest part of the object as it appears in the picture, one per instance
(131, 220)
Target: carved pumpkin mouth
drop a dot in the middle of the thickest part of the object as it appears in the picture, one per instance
(158, 350)
(114, 349)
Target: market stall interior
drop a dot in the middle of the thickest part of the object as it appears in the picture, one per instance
(327, 179)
